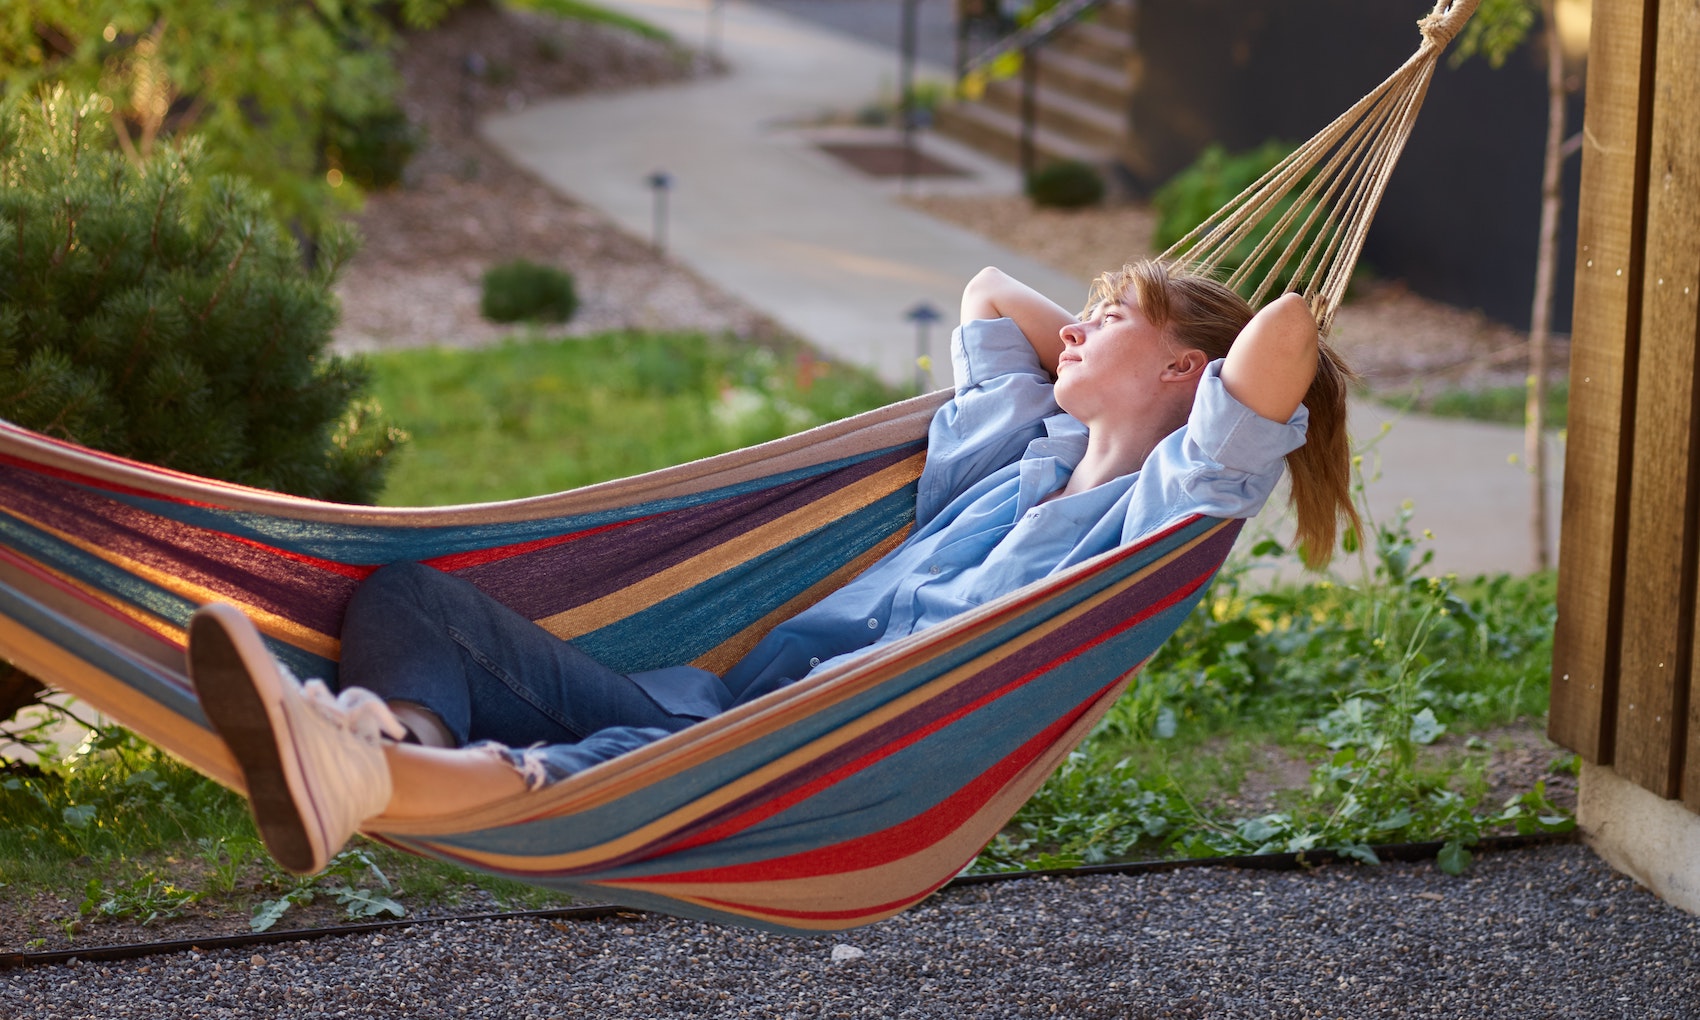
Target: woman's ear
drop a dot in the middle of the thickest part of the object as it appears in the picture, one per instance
(1188, 364)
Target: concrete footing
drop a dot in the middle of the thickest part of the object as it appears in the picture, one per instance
(1652, 840)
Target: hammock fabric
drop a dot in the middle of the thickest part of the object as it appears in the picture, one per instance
(835, 802)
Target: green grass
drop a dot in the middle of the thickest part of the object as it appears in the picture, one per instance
(1501, 404)
(530, 417)
(578, 10)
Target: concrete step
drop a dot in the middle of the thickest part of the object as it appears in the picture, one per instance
(1094, 41)
(1095, 83)
(998, 134)
(1101, 128)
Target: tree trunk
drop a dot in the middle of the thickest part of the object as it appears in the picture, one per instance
(1540, 317)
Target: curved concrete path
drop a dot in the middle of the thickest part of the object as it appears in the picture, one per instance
(756, 207)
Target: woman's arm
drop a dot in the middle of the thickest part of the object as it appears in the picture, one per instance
(1273, 360)
(994, 294)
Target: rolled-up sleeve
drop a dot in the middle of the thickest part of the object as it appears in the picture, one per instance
(1003, 396)
(1225, 463)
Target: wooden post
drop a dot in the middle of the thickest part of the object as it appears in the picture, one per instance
(1605, 329)
(1664, 491)
(1625, 658)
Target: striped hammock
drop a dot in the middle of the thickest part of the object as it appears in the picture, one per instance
(835, 802)
(832, 803)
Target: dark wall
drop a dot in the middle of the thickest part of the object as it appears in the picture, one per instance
(1460, 217)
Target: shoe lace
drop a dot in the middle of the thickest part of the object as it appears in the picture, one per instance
(362, 712)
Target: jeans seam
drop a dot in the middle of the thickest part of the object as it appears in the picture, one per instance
(512, 683)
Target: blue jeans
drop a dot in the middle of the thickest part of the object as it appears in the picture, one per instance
(413, 633)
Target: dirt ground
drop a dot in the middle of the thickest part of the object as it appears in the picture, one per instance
(463, 207)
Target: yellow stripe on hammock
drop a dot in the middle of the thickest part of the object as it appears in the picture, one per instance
(682, 577)
(280, 627)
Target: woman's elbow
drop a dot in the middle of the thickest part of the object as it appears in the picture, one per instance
(980, 298)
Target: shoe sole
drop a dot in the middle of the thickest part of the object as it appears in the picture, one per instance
(246, 708)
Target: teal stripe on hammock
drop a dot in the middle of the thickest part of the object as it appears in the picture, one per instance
(695, 622)
(102, 654)
(56, 554)
(100, 574)
(386, 543)
(893, 790)
(588, 829)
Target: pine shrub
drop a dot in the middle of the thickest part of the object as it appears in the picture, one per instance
(157, 313)
(1069, 184)
(524, 291)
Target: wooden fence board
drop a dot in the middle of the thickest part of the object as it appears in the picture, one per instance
(1602, 372)
(1659, 602)
(1673, 309)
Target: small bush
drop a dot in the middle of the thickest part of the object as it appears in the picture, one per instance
(372, 151)
(1070, 184)
(524, 291)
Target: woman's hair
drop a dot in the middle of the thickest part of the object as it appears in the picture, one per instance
(1203, 314)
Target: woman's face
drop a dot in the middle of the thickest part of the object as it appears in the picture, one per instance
(1112, 362)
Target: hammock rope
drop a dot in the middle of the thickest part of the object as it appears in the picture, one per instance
(834, 802)
(1323, 196)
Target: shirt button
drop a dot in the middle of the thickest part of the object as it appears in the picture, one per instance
(873, 625)
(933, 569)
(814, 662)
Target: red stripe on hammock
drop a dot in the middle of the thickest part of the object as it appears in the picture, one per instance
(897, 842)
(104, 485)
(451, 562)
(355, 571)
(769, 808)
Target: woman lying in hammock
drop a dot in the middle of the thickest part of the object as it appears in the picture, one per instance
(1067, 437)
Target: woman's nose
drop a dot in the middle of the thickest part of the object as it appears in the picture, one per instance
(1073, 333)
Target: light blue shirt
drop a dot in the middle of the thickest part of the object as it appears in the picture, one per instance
(993, 454)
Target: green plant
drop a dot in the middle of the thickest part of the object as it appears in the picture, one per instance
(162, 314)
(1066, 184)
(147, 899)
(257, 86)
(228, 857)
(1507, 404)
(114, 796)
(527, 417)
(371, 150)
(524, 291)
(579, 10)
(1365, 677)
(345, 879)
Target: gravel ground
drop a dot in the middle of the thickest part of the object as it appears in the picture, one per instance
(1548, 932)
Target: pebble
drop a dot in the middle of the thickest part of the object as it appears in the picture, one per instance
(1547, 932)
